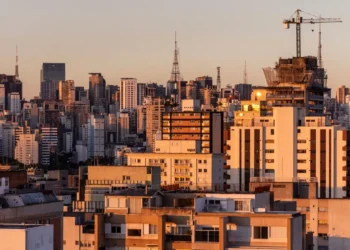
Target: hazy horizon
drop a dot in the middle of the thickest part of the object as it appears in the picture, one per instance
(136, 38)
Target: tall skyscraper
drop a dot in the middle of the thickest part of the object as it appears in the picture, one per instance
(141, 92)
(245, 90)
(342, 92)
(11, 84)
(66, 91)
(53, 71)
(128, 93)
(48, 90)
(96, 136)
(97, 89)
(14, 103)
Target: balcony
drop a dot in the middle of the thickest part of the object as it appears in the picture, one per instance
(179, 237)
(316, 97)
(182, 174)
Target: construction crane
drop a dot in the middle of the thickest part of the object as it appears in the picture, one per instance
(298, 20)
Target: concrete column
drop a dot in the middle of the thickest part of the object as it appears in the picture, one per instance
(99, 231)
(222, 232)
(161, 232)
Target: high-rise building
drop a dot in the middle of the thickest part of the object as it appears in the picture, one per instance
(141, 93)
(245, 90)
(53, 71)
(341, 93)
(97, 89)
(48, 144)
(205, 81)
(155, 90)
(128, 93)
(50, 114)
(11, 84)
(48, 90)
(27, 149)
(2, 97)
(14, 104)
(96, 136)
(66, 92)
(289, 146)
(154, 112)
(111, 93)
(205, 127)
(123, 126)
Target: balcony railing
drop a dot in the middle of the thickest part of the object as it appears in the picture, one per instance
(178, 237)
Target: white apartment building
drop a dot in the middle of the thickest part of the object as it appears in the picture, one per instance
(288, 146)
(182, 163)
(26, 237)
(96, 135)
(27, 149)
(128, 93)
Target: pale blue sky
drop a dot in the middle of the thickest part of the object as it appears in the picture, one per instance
(129, 38)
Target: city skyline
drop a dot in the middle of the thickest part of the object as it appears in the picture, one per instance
(209, 35)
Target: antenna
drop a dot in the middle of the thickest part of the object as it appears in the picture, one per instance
(218, 79)
(16, 67)
(245, 75)
(175, 72)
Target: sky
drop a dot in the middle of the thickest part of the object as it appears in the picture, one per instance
(135, 38)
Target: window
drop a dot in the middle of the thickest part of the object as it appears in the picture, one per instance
(64, 242)
(241, 205)
(269, 141)
(205, 170)
(269, 171)
(272, 131)
(301, 141)
(153, 229)
(200, 170)
(76, 243)
(269, 161)
(260, 232)
(134, 232)
(116, 229)
(269, 151)
(301, 151)
(298, 130)
(301, 161)
(301, 171)
(199, 161)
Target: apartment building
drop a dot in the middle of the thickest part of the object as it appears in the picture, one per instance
(26, 236)
(155, 220)
(289, 146)
(128, 93)
(34, 208)
(27, 149)
(182, 163)
(154, 112)
(206, 127)
(48, 143)
(341, 93)
(98, 180)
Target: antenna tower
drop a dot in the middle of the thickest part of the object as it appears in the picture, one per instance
(218, 79)
(245, 75)
(16, 67)
(175, 72)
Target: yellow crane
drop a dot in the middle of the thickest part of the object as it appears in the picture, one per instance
(297, 19)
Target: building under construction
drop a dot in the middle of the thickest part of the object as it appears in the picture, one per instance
(296, 81)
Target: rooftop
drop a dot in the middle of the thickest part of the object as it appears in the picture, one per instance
(19, 226)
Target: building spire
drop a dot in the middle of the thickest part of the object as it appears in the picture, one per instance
(16, 67)
(175, 72)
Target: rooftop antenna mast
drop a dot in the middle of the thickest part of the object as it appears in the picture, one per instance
(175, 72)
(245, 74)
(218, 79)
(16, 67)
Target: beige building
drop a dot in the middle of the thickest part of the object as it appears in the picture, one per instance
(66, 92)
(154, 112)
(27, 149)
(136, 219)
(26, 237)
(99, 180)
(341, 93)
(182, 163)
(289, 146)
(128, 93)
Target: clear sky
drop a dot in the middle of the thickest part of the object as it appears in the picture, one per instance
(134, 38)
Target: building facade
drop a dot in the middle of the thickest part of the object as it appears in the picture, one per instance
(128, 93)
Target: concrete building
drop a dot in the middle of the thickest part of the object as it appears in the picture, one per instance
(180, 164)
(103, 179)
(34, 208)
(59, 175)
(96, 136)
(97, 89)
(27, 149)
(123, 126)
(206, 127)
(14, 104)
(341, 93)
(48, 143)
(66, 92)
(128, 93)
(48, 90)
(245, 90)
(289, 146)
(26, 237)
(141, 93)
(154, 112)
(156, 220)
(8, 139)
(53, 71)
(81, 152)
(68, 141)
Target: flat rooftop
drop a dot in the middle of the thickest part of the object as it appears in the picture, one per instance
(18, 226)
